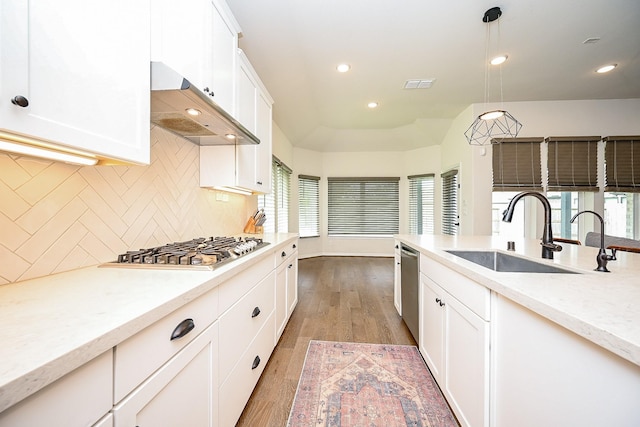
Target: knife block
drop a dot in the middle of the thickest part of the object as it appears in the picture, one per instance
(252, 228)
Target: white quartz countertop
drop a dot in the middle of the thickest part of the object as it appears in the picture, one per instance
(601, 307)
(52, 325)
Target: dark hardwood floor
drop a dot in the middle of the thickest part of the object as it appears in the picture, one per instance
(339, 299)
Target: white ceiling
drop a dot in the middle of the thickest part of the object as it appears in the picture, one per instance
(295, 45)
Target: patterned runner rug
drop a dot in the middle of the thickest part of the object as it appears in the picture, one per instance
(367, 385)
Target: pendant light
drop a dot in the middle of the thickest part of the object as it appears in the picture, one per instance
(491, 127)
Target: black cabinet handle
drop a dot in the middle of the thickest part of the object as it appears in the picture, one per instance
(183, 329)
(294, 246)
(397, 247)
(255, 363)
(284, 254)
(290, 265)
(255, 312)
(20, 101)
(259, 182)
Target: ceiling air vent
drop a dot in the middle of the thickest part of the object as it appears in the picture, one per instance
(419, 84)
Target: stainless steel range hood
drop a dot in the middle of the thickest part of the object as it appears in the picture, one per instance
(172, 96)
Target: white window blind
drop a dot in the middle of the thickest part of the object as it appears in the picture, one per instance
(421, 204)
(309, 202)
(450, 221)
(276, 203)
(363, 206)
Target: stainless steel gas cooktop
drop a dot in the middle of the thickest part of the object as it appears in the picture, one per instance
(205, 253)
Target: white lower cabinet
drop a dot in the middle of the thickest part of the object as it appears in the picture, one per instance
(454, 340)
(286, 287)
(545, 375)
(181, 392)
(397, 281)
(236, 390)
(81, 398)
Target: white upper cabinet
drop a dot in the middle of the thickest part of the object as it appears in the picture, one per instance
(254, 112)
(78, 72)
(180, 38)
(225, 42)
(198, 39)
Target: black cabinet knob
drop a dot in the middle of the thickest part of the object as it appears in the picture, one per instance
(20, 101)
(284, 254)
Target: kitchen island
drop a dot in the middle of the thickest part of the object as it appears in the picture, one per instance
(552, 348)
(54, 325)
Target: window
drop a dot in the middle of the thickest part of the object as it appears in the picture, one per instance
(621, 216)
(421, 204)
(564, 205)
(276, 203)
(516, 167)
(309, 202)
(621, 197)
(450, 219)
(572, 164)
(363, 206)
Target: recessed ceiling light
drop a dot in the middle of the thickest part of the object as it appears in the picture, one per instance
(193, 112)
(230, 136)
(372, 104)
(343, 68)
(606, 68)
(499, 60)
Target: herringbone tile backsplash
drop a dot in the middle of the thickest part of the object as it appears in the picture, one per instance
(56, 217)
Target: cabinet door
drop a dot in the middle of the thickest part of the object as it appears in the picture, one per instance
(397, 296)
(181, 392)
(80, 398)
(281, 300)
(84, 69)
(246, 108)
(181, 38)
(264, 149)
(225, 45)
(432, 327)
(292, 284)
(467, 363)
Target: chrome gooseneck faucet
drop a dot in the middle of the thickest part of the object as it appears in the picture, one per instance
(548, 247)
(602, 258)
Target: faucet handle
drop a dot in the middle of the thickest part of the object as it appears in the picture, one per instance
(552, 246)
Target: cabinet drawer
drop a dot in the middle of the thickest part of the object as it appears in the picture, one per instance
(233, 289)
(80, 398)
(282, 254)
(473, 295)
(242, 322)
(235, 392)
(142, 354)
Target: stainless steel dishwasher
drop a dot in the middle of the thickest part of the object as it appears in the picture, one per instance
(409, 280)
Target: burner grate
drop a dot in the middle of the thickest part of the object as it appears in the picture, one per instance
(200, 252)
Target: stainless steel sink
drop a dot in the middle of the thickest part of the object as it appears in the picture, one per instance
(499, 261)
